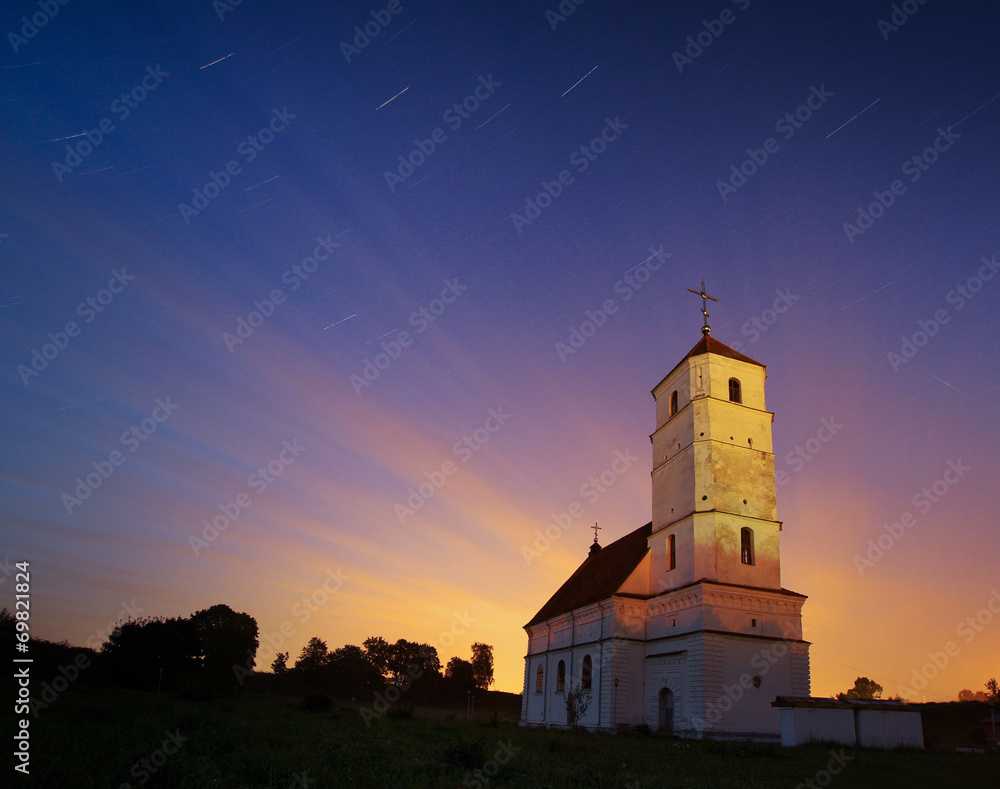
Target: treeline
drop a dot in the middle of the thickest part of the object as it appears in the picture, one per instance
(353, 671)
(193, 656)
(213, 652)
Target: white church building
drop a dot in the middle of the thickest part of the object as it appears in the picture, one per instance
(682, 624)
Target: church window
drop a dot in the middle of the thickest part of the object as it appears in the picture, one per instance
(671, 553)
(539, 679)
(586, 673)
(746, 545)
(734, 390)
(673, 403)
(561, 677)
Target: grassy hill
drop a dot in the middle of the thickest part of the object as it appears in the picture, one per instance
(93, 737)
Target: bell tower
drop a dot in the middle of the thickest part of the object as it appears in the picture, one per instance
(714, 503)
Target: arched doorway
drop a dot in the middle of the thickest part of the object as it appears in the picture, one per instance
(666, 711)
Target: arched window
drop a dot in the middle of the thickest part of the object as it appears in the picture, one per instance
(734, 390)
(673, 403)
(671, 552)
(561, 677)
(586, 673)
(539, 680)
(746, 545)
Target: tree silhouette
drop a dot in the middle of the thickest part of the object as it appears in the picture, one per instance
(228, 641)
(460, 673)
(350, 671)
(313, 656)
(151, 654)
(404, 655)
(992, 691)
(280, 663)
(378, 651)
(864, 688)
(482, 665)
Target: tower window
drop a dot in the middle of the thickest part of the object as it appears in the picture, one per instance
(673, 403)
(746, 545)
(735, 395)
(539, 679)
(586, 673)
(561, 677)
(671, 552)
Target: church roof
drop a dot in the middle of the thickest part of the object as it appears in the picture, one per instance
(600, 576)
(708, 344)
(605, 570)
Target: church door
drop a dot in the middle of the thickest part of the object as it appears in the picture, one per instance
(666, 711)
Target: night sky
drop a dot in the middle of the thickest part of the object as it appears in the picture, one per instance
(264, 268)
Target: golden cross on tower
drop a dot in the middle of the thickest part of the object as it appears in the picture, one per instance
(596, 529)
(706, 329)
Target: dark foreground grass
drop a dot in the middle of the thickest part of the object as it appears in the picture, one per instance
(99, 738)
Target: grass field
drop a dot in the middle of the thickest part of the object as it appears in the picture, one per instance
(92, 737)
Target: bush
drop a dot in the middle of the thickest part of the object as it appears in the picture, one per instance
(317, 702)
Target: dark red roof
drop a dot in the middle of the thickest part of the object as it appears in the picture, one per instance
(708, 344)
(600, 576)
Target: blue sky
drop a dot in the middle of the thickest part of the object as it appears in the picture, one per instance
(435, 213)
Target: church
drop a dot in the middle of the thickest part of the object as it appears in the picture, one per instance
(682, 625)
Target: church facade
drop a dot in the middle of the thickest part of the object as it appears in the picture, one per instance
(682, 624)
